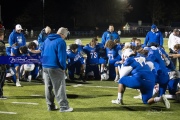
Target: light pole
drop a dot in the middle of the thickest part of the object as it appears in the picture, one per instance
(43, 12)
(0, 13)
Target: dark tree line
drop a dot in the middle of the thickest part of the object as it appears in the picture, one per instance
(85, 13)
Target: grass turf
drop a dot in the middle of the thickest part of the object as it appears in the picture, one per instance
(90, 100)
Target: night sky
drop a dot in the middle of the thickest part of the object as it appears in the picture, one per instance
(11, 9)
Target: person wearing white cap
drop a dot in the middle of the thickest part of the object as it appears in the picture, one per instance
(54, 57)
(16, 40)
(17, 36)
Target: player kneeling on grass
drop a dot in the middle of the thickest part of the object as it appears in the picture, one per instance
(75, 62)
(92, 60)
(26, 71)
(141, 77)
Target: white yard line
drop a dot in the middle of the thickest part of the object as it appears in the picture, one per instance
(81, 85)
(36, 95)
(28, 103)
(4, 112)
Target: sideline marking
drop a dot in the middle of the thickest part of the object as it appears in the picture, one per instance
(36, 95)
(29, 103)
(77, 85)
(3, 112)
(81, 85)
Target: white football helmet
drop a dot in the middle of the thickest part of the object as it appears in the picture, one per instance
(104, 76)
(29, 67)
(127, 44)
(127, 52)
(35, 41)
(78, 42)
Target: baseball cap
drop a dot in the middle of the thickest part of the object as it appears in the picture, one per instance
(153, 26)
(18, 27)
(63, 31)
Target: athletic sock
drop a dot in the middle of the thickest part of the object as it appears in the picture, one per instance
(120, 96)
(157, 99)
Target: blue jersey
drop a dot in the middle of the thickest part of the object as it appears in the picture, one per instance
(161, 70)
(15, 50)
(113, 54)
(137, 63)
(155, 56)
(80, 48)
(92, 54)
(100, 45)
(109, 36)
(171, 65)
(141, 77)
(74, 57)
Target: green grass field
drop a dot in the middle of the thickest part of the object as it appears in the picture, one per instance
(90, 100)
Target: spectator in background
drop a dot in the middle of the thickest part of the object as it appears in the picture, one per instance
(26, 33)
(32, 33)
(110, 34)
(154, 36)
(119, 32)
(43, 35)
(17, 36)
(172, 41)
(97, 32)
(166, 34)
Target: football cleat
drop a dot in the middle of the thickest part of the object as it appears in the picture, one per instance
(165, 101)
(117, 101)
(138, 96)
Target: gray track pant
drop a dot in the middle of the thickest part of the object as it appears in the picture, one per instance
(55, 86)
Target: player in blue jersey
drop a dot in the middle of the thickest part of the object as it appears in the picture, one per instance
(16, 67)
(80, 51)
(112, 52)
(33, 45)
(140, 77)
(75, 62)
(162, 78)
(92, 60)
(80, 46)
(25, 69)
(102, 61)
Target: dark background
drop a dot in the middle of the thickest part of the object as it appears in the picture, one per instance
(86, 14)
